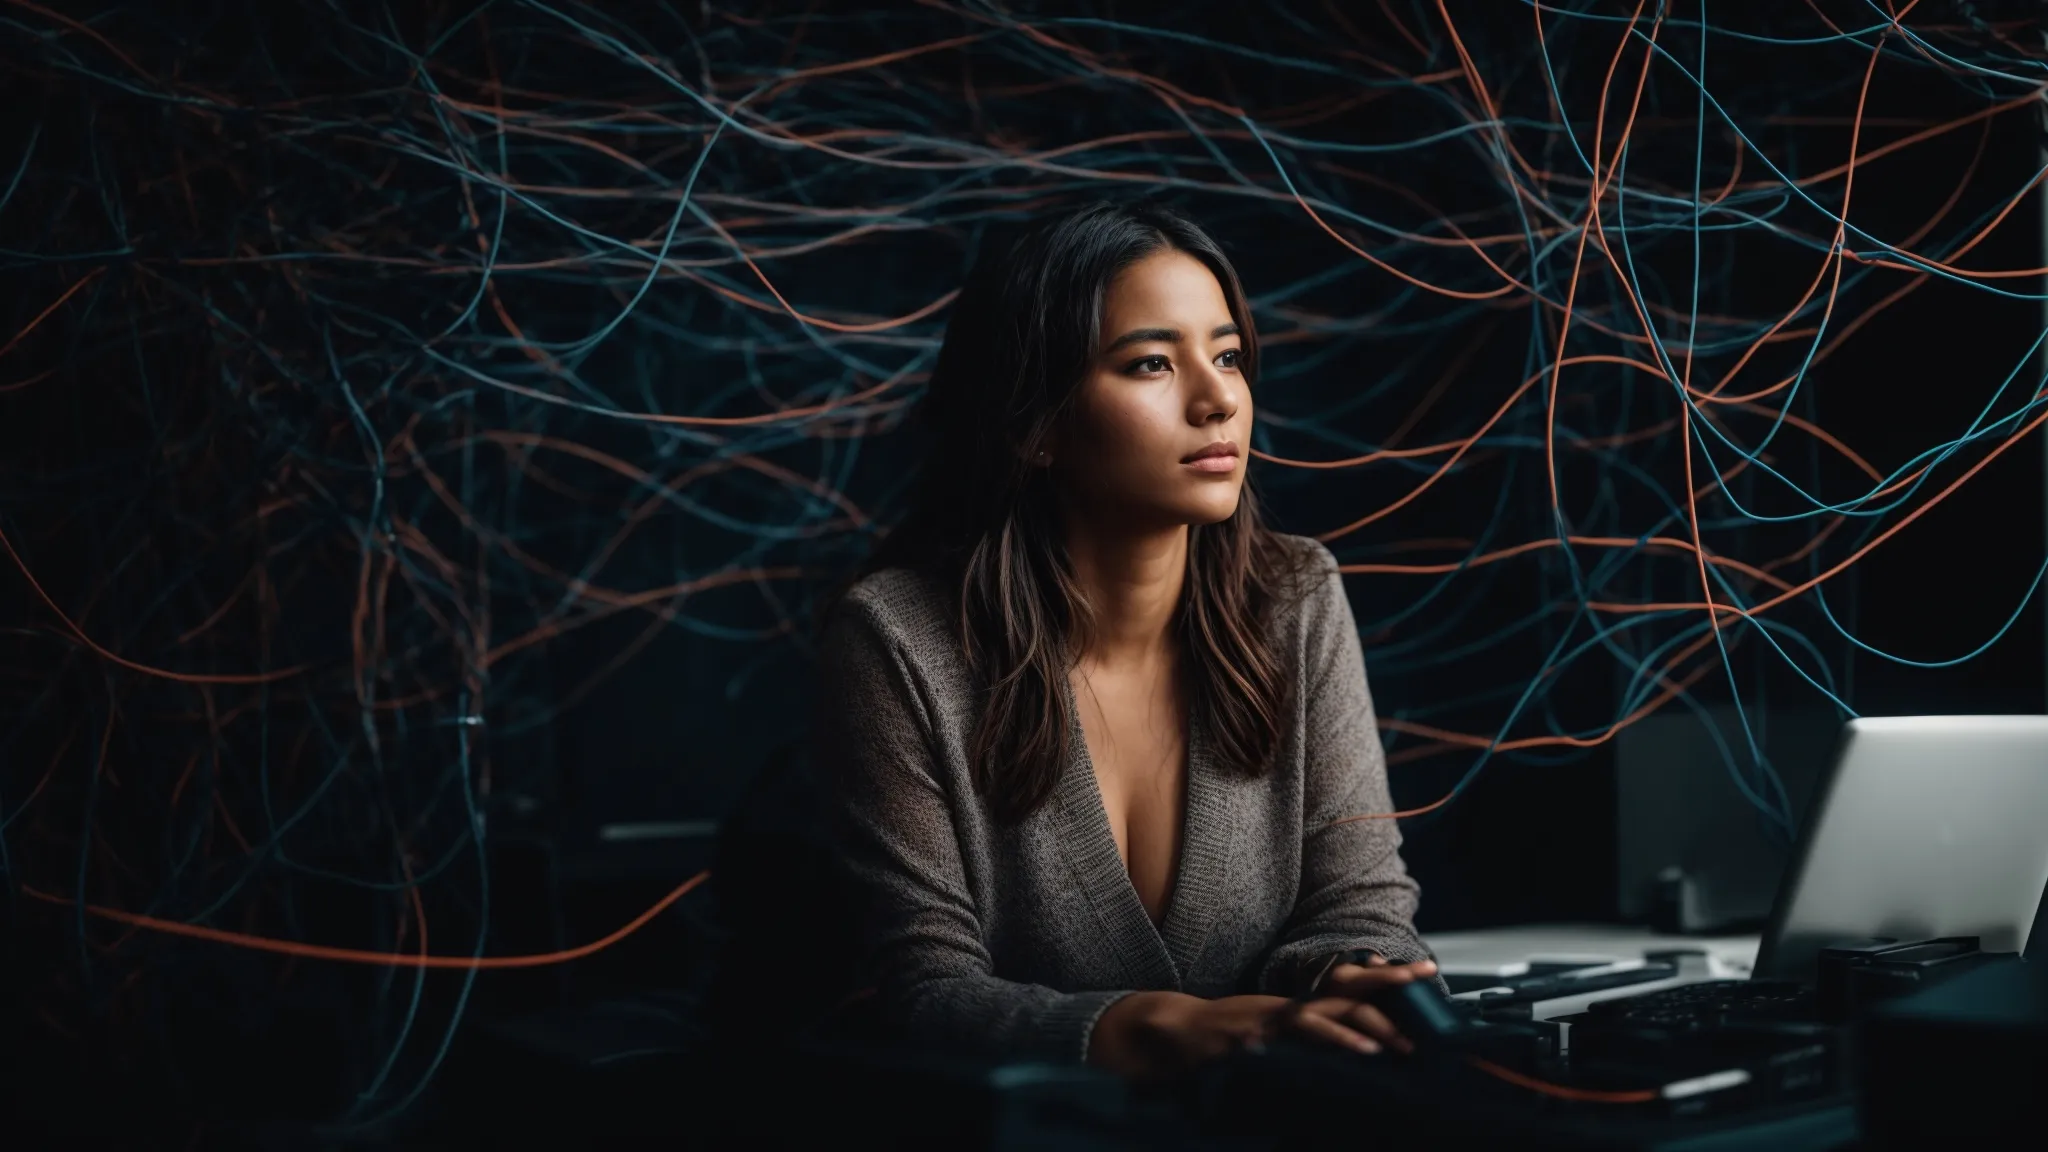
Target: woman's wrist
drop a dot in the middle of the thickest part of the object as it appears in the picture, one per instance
(1313, 971)
(1129, 1036)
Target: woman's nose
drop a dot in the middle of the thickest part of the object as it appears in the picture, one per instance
(1215, 393)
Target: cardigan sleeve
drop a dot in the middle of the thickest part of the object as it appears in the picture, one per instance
(1354, 891)
(923, 947)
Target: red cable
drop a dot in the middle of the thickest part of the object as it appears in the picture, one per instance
(385, 959)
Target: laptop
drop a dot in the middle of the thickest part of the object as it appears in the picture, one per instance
(1920, 826)
(1925, 826)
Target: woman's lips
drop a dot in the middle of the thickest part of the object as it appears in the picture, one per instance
(1218, 456)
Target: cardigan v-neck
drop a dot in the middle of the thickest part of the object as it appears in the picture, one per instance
(1008, 941)
(1158, 953)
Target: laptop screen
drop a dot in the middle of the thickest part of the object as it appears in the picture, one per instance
(1925, 826)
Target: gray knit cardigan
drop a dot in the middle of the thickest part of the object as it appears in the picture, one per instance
(1008, 942)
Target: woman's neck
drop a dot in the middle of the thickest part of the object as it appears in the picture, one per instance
(1133, 581)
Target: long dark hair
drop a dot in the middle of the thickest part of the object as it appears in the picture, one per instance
(984, 522)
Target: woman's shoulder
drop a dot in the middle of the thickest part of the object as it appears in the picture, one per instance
(1310, 553)
(1311, 575)
(905, 605)
(1313, 608)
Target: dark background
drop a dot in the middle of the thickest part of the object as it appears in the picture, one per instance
(278, 423)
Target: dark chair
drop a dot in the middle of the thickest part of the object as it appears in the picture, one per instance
(788, 967)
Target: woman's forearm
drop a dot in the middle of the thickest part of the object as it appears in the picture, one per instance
(1129, 1037)
(1148, 1034)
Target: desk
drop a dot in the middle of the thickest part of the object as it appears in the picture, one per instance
(605, 1075)
(1318, 1095)
(1727, 957)
(1494, 951)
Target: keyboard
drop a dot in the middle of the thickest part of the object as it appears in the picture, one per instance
(1708, 1004)
(1768, 1031)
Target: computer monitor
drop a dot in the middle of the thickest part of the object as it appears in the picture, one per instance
(1678, 809)
(1926, 826)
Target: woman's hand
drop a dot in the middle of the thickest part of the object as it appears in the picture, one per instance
(1151, 1034)
(1343, 998)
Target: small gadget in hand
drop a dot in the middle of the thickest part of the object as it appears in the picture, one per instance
(1417, 1007)
(1422, 1013)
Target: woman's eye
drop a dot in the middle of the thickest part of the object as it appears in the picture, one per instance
(1229, 358)
(1150, 364)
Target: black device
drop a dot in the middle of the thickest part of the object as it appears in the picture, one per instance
(1708, 1004)
(1444, 1030)
(1767, 1029)
(1788, 1037)
(1958, 1064)
(1475, 1081)
(1853, 975)
(1856, 974)
(1422, 1013)
(1831, 980)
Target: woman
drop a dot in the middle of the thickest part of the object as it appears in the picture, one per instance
(1090, 724)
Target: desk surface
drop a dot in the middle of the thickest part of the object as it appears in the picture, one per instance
(1485, 950)
(1494, 951)
(508, 1085)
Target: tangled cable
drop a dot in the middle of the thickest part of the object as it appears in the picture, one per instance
(360, 357)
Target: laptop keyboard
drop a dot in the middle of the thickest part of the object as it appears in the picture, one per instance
(1709, 1004)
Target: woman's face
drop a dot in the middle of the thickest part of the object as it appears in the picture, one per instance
(1164, 385)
